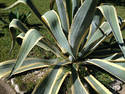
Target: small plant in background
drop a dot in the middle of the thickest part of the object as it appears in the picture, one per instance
(80, 32)
(15, 15)
(23, 17)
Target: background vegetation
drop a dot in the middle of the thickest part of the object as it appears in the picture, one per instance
(43, 6)
(5, 42)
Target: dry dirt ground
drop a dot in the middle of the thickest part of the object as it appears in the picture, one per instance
(5, 88)
(123, 90)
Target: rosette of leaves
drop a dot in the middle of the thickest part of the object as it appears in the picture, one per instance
(80, 29)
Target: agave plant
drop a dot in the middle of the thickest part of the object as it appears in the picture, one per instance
(80, 29)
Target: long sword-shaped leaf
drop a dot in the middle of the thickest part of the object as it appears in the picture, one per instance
(110, 15)
(69, 10)
(77, 86)
(114, 69)
(61, 5)
(43, 44)
(31, 39)
(104, 53)
(96, 85)
(29, 4)
(96, 22)
(80, 24)
(101, 34)
(115, 56)
(16, 24)
(75, 6)
(28, 64)
(52, 83)
(52, 20)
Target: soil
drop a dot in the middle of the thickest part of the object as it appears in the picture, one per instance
(5, 88)
(123, 90)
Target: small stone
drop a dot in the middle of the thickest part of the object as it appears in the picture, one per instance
(70, 58)
(116, 87)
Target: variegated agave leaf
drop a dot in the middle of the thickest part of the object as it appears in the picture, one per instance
(81, 33)
(18, 25)
(110, 15)
(31, 39)
(79, 26)
(54, 25)
(28, 64)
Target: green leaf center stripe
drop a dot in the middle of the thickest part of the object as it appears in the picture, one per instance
(110, 15)
(54, 24)
(31, 39)
(109, 67)
(55, 79)
(28, 64)
(59, 82)
(69, 11)
(96, 85)
(44, 44)
(106, 13)
(52, 83)
(77, 86)
(80, 24)
(39, 65)
(63, 15)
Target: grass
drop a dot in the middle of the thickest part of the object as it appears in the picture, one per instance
(5, 42)
(43, 6)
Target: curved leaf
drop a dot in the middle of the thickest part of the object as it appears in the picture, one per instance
(80, 24)
(96, 85)
(104, 53)
(49, 47)
(77, 86)
(110, 15)
(52, 20)
(28, 64)
(115, 56)
(101, 34)
(31, 39)
(114, 69)
(20, 38)
(16, 24)
(52, 83)
(43, 44)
